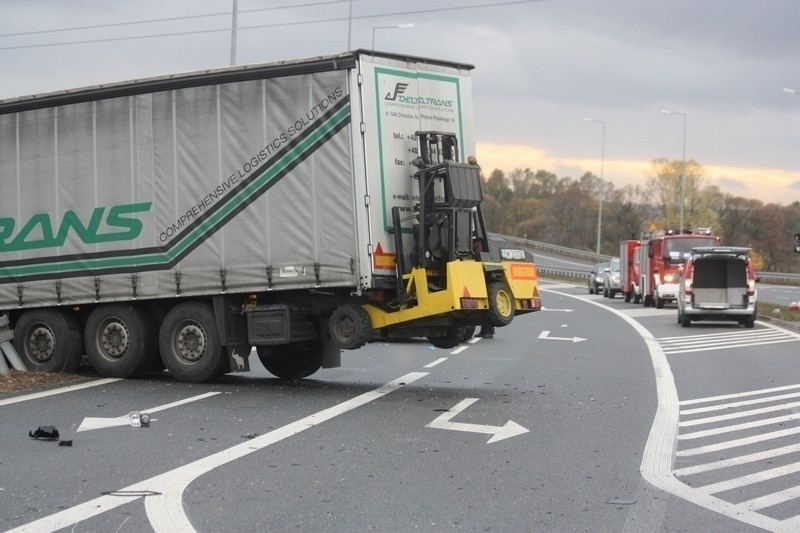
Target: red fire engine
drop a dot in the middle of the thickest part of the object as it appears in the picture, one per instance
(661, 256)
(629, 270)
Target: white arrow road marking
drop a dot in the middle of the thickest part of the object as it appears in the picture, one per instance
(510, 429)
(545, 335)
(163, 492)
(90, 423)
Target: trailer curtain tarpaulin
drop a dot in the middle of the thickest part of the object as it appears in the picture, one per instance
(196, 190)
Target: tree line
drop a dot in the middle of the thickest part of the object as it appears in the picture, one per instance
(564, 211)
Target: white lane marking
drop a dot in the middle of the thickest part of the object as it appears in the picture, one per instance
(773, 499)
(727, 346)
(61, 390)
(726, 406)
(738, 427)
(459, 350)
(510, 429)
(434, 363)
(739, 414)
(90, 423)
(715, 337)
(746, 441)
(473, 340)
(165, 510)
(756, 477)
(737, 461)
(739, 395)
(658, 457)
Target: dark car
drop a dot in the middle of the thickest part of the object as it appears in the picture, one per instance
(596, 277)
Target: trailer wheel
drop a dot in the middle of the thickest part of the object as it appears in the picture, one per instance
(120, 340)
(48, 340)
(686, 321)
(291, 361)
(501, 304)
(350, 327)
(190, 344)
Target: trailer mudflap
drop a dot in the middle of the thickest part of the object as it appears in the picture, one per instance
(278, 324)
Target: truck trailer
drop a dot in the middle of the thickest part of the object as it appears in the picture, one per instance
(298, 207)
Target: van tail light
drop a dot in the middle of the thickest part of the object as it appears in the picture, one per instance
(751, 287)
(687, 286)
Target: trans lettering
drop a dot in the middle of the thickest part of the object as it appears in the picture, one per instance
(39, 231)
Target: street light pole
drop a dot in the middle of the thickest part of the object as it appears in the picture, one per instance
(683, 161)
(234, 30)
(602, 183)
(395, 27)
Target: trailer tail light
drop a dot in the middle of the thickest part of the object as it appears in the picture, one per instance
(469, 303)
(378, 296)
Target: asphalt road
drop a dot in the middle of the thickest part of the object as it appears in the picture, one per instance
(579, 417)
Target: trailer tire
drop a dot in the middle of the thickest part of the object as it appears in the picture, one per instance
(120, 340)
(292, 361)
(501, 304)
(686, 321)
(349, 326)
(190, 344)
(48, 340)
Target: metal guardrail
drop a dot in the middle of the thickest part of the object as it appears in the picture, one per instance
(555, 249)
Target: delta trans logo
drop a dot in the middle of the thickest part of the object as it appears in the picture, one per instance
(398, 95)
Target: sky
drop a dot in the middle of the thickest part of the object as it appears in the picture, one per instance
(541, 68)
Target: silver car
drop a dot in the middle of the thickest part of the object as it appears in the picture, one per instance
(718, 283)
(611, 279)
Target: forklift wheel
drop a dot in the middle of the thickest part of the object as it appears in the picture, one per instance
(350, 327)
(501, 304)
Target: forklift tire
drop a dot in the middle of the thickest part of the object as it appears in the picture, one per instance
(451, 340)
(501, 304)
(466, 333)
(350, 327)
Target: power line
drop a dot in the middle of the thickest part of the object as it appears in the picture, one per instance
(258, 26)
(168, 19)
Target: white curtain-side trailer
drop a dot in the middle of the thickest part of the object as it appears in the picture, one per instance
(298, 207)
